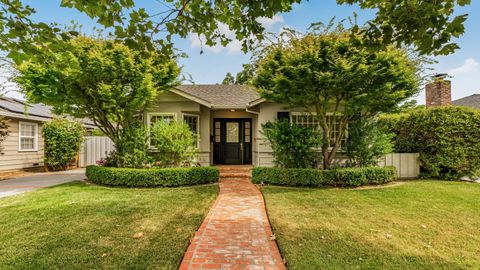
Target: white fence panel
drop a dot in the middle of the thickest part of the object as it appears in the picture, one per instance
(95, 148)
(407, 164)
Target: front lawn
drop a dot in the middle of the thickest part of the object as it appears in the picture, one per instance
(418, 225)
(81, 226)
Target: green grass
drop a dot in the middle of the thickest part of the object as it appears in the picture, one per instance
(418, 225)
(82, 226)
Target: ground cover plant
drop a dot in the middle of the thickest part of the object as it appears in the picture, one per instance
(417, 225)
(81, 226)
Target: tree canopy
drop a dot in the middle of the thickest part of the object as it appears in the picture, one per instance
(426, 25)
(335, 79)
(102, 80)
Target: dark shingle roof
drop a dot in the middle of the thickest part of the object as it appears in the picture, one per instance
(222, 96)
(472, 101)
(20, 109)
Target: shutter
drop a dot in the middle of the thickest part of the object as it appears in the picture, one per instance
(283, 116)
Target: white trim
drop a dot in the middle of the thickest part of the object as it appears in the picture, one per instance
(198, 125)
(149, 115)
(35, 137)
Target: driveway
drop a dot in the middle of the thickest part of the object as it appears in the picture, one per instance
(40, 180)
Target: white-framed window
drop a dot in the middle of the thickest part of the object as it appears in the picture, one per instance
(308, 120)
(27, 136)
(153, 118)
(193, 123)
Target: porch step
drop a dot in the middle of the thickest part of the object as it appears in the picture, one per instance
(235, 172)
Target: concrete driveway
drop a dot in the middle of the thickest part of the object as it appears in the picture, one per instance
(32, 182)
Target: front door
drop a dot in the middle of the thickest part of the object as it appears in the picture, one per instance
(232, 141)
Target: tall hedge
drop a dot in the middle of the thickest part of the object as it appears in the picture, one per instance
(447, 138)
(62, 142)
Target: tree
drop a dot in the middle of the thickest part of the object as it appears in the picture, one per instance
(426, 25)
(335, 79)
(229, 79)
(102, 80)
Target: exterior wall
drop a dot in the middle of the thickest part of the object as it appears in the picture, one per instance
(263, 153)
(12, 158)
(178, 105)
(438, 93)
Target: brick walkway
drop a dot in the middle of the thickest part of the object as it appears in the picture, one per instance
(236, 233)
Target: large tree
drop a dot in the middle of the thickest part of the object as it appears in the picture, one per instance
(335, 79)
(427, 25)
(101, 80)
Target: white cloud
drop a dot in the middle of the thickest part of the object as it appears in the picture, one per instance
(470, 65)
(269, 23)
(235, 46)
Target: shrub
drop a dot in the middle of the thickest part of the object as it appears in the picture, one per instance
(62, 142)
(131, 148)
(367, 143)
(293, 146)
(350, 177)
(174, 143)
(3, 132)
(447, 139)
(167, 177)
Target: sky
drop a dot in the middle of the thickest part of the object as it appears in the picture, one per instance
(211, 66)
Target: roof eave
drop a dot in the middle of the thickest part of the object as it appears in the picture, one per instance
(191, 97)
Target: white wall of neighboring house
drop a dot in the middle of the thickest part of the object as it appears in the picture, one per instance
(14, 158)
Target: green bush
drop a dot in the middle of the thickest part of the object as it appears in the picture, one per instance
(168, 177)
(350, 177)
(174, 143)
(131, 148)
(293, 146)
(447, 139)
(62, 139)
(367, 143)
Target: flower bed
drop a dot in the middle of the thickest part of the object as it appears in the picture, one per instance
(351, 177)
(171, 177)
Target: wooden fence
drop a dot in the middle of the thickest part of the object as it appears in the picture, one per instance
(95, 148)
(407, 164)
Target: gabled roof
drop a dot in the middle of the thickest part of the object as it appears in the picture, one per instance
(472, 101)
(219, 96)
(16, 108)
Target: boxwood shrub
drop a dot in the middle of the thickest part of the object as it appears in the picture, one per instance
(351, 177)
(171, 177)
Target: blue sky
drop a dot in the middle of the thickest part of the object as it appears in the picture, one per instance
(215, 62)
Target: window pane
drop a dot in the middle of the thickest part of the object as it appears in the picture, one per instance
(27, 130)
(217, 138)
(27, 144)
(192, 122)
(247, 138)
(166, 118)
(232, 132)
(217, 124)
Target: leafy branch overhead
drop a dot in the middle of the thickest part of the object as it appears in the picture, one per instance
(429, 26)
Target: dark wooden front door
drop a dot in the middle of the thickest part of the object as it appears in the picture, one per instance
(232, 141)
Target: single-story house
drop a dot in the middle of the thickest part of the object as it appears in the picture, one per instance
(227, 119)
(23, 147)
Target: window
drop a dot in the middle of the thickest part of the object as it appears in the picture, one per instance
(308, 120)
(155, 117)
(28, 136)
(192, 120)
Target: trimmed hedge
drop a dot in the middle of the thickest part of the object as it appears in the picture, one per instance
(350, 177)
(170, 177)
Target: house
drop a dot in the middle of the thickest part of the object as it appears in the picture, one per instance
(439, 93)
(227, 119)
(23, 148)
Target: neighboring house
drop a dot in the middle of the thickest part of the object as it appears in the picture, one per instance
(439, 93)
(227, 119)
(23, 148)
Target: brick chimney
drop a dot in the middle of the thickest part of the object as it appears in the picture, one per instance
(438, 92)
